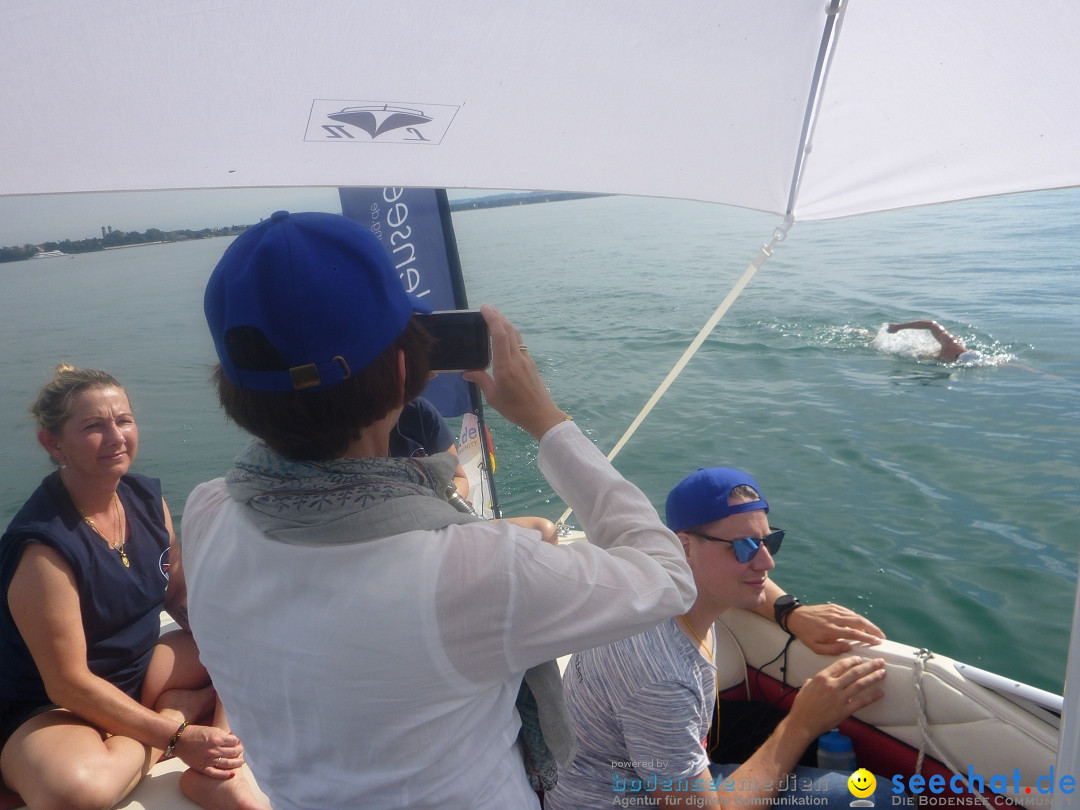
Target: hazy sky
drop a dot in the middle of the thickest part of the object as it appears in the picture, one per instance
(35, 219)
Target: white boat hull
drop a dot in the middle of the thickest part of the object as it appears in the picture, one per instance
(962, 726)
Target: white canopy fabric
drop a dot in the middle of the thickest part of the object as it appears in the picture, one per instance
(924, 100)
(893, 103)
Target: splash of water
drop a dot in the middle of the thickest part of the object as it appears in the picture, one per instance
(920, 345)
(915, 344)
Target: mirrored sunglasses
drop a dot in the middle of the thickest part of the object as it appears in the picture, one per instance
(746, 548)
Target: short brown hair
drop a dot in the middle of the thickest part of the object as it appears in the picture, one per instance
(319, 425)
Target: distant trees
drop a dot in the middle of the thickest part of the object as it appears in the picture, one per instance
(114, 238)
(14, 254)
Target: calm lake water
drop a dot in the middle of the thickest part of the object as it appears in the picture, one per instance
(942, 502)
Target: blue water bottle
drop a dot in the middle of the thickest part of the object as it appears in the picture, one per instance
(835, 752)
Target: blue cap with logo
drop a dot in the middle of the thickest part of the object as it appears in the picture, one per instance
(318, 288)
(702, 497)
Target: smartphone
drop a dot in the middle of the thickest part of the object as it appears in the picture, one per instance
(461, 339)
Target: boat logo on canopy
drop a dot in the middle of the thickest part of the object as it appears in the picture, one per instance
(377, 121)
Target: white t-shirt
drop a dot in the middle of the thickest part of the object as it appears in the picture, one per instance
(384, 673)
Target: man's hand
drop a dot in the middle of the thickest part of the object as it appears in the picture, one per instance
(835, 693)
(832, 629)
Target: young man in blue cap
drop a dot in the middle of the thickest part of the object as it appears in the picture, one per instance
(642, 706)
(368, 640)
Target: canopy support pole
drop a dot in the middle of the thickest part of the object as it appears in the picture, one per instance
(833, 20)
(779, 234)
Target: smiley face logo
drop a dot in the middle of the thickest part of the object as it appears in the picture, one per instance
(861, 783)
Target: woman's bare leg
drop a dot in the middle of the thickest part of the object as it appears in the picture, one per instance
(55, 760)
(174, 665)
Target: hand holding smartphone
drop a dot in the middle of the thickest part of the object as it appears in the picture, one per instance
(461, 337)
(514, 387)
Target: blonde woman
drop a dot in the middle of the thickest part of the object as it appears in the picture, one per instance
(90, 697)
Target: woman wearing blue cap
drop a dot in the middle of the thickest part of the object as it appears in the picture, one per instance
(643, 706)
(368, 640)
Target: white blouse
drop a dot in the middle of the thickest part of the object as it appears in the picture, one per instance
(384, 673)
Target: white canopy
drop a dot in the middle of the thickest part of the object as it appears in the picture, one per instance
(893, 103)
(923, 100)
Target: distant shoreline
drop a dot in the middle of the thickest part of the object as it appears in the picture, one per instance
(113, 240)
(518, 198)
(116, 239)
(137, 244)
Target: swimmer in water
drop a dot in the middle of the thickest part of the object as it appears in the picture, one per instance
(952, 350)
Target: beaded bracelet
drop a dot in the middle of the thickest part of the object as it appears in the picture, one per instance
(175, 739)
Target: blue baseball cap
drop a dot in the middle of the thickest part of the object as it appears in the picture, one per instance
(319, 288)
(702, 497)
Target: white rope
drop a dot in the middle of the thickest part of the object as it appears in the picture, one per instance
(779, 234)
(921, 657)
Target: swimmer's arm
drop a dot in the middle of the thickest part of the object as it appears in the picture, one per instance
(951, 348)
(933, 327)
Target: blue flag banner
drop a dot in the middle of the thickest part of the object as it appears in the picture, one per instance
(414, 226)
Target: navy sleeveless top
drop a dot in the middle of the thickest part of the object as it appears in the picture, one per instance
(120, 606)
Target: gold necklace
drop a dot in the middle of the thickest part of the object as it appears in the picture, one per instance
(119, 545)
(713, 740)
(700, 640)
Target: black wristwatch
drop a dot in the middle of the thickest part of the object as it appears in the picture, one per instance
(782, 607)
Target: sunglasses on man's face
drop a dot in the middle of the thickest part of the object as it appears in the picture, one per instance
(746, 548)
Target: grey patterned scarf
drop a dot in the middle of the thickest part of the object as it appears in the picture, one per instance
(318, 503)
